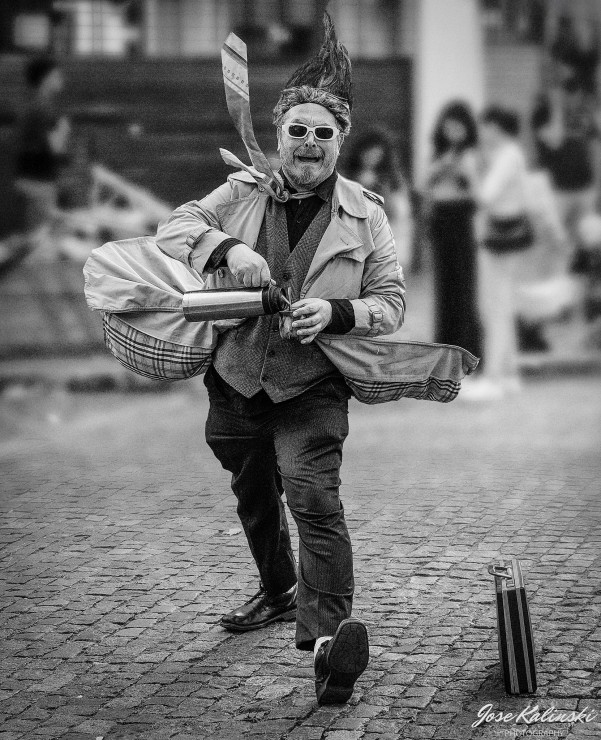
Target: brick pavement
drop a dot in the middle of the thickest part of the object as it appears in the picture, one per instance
(121, 549)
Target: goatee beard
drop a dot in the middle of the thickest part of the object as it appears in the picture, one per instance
(302, 178)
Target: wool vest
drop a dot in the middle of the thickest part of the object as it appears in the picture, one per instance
(254, 356)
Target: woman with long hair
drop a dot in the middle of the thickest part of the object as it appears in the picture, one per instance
(450, 196)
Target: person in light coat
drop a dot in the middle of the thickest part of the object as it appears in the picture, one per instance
(278, 412)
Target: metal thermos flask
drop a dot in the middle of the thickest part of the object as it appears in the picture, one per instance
(233, 303)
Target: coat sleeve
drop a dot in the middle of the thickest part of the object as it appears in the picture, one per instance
(380, 309)
(192, 231)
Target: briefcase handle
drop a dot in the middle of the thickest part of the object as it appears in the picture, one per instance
(500, 571)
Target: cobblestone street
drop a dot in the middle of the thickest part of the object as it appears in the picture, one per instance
(121, 549)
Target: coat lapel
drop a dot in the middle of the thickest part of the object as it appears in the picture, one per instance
(340, 238)
(337, 239)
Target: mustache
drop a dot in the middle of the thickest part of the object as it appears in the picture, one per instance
(309, 152)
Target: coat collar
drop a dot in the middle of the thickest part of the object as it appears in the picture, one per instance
(347, 194)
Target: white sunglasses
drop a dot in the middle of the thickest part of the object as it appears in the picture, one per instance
(300, 130)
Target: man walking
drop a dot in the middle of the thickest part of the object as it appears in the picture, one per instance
(278, 413)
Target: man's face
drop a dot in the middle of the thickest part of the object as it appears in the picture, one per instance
(309, 161)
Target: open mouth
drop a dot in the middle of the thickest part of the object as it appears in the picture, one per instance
(308, 159)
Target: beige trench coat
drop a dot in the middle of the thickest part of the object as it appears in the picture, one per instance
(356, 259)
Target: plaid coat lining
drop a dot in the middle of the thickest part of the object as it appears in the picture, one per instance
(160, 360)
(430, 389)
(153, 358)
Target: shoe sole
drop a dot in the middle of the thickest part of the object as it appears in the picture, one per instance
(289, 616)
(348, 656)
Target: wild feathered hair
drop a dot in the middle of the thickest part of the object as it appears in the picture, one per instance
(325, 78)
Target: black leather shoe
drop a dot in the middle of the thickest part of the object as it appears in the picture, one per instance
(340, 661)
(262, 610)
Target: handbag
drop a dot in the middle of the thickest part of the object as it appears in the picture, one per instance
(508, 234)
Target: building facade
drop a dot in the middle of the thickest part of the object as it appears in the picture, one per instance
(421, 53)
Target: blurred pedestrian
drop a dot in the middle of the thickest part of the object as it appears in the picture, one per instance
(546, 291)
(575, 52)
(449, 194)
(373, 162)
(567, 130)
(504, 231)
(42, 144)
(567, 139)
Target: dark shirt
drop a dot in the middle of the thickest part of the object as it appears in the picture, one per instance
(571, 164)
(299, 214)
(35, 158)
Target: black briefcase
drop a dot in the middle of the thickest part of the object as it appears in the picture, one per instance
(516, 647)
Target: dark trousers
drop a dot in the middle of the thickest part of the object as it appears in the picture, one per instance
(456, 318)
(294, 446)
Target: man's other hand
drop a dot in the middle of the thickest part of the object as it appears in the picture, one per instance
(248, 267)
(311, 316)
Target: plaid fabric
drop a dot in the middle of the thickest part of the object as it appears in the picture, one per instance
(380, 369)
(430, 389)
(153, 358)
